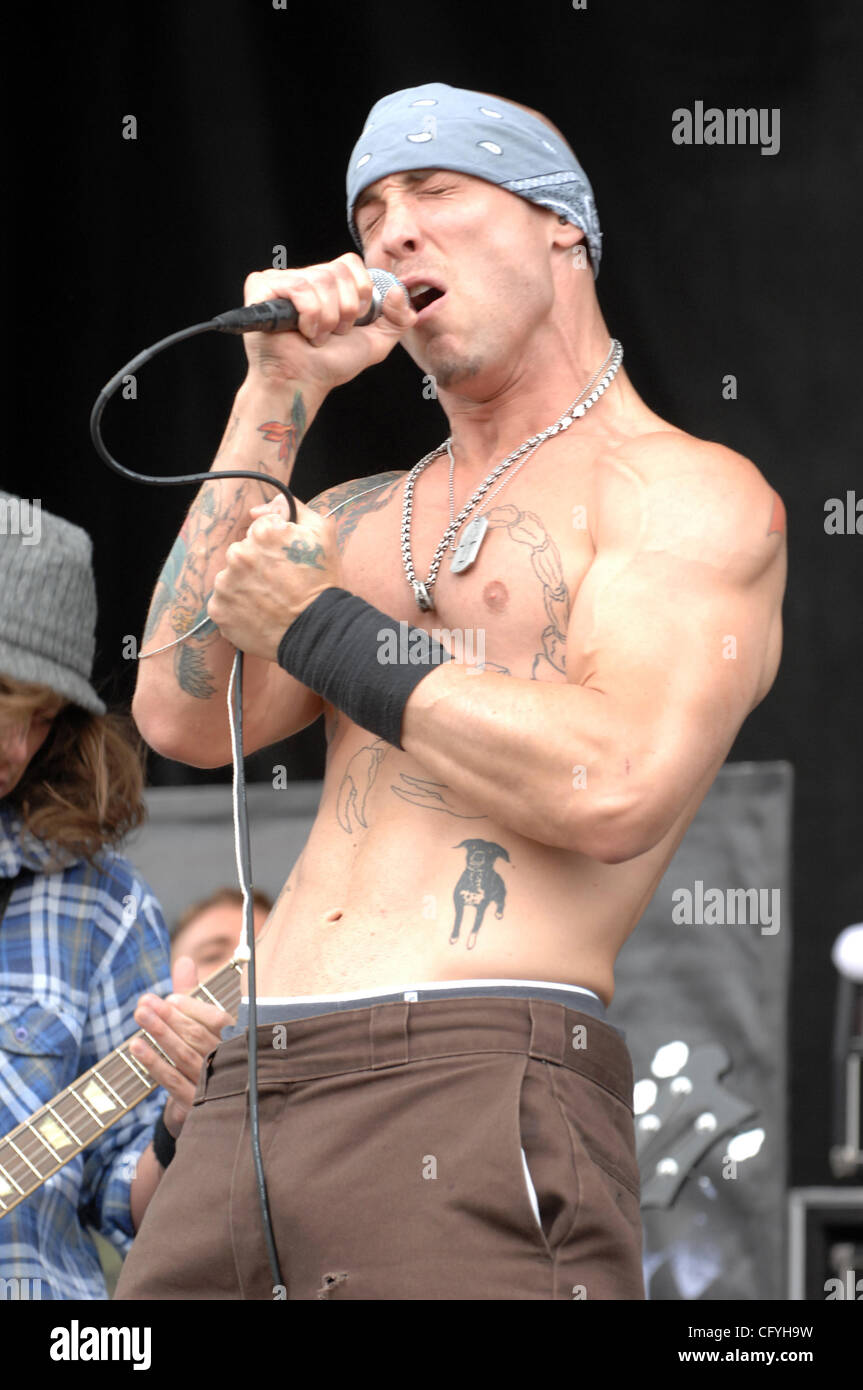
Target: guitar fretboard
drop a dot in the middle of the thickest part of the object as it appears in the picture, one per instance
(52, 1136)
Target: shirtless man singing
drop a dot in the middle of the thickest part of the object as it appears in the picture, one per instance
(522, 715)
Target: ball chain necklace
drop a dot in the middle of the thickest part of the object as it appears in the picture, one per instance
(469, 543)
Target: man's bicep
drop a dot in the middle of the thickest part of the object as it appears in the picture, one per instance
(676, 648)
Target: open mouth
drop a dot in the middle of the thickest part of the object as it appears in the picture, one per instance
(423, 295)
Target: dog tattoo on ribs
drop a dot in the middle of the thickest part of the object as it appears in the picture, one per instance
(478, 886)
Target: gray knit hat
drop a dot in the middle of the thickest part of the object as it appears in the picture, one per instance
(47, 601)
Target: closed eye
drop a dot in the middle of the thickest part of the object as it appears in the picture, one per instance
(364, 231)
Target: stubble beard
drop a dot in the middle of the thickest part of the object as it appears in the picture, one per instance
(454, 363)
(451, 370)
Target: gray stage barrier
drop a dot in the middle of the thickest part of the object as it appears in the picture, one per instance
(702, 1001)
(186, 850)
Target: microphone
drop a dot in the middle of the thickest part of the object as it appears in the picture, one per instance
(280, 315)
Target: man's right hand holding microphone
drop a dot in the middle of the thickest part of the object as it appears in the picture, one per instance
(325, 351)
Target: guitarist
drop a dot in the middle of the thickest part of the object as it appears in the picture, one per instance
(83, 945)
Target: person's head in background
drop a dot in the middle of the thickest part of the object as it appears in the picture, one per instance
(71, 771)
(209, 930)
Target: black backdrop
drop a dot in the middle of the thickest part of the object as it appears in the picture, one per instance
(717, 260)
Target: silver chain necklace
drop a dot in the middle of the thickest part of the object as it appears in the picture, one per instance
(469, 543)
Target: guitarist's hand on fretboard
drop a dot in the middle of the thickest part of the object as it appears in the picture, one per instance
(185, 1029)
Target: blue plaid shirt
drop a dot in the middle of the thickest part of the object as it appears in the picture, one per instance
(78, 947)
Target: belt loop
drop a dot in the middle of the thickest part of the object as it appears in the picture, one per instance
(388, 1034)
(547, 1030)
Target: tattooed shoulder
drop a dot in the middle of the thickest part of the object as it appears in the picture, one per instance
(350, 502)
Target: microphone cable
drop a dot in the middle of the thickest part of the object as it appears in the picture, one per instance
(268, 316)
(242, 843)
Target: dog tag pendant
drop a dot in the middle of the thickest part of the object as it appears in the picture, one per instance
(422, 596)
(469, 543)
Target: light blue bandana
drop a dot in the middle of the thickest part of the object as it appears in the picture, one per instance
(441, 127)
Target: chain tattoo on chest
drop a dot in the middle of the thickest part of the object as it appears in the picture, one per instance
(479, 885)
(362, 768)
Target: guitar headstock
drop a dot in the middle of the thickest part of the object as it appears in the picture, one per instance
(681, 1111)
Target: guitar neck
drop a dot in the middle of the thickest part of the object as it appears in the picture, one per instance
(38, 1148)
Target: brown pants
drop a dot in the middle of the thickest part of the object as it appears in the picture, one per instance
(392, 1141)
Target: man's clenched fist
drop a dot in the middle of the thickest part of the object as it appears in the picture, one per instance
(272, 576)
